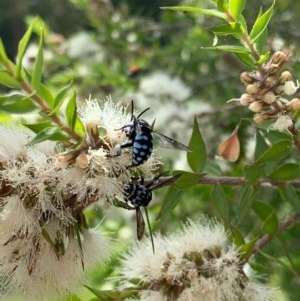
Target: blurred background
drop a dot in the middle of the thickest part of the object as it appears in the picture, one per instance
(134, 50)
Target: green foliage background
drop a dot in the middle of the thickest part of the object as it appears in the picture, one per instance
(139, 33)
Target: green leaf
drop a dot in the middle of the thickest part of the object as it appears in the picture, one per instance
(50, 133)
(290, 195)
(268, 215)
(39, 126)
(276, 152)
(17, 103)
(60, 97)
(22, 48)
(38, 64)
(46, 95)
(197, 157)
(171, 200)
(286, 172)
(263, 58)
(236, 7)
(253, 173)
(247, 249)
(3, 56)
(226, 29)
(7, 80)
(260, 145)
(246, 59)
(261, 24)
(72, 297)
(237, 236)
(71, 111)
(190, 9)
(229, 48)
(245, 202)
(187, 179)
(222, 5)
(221, 203)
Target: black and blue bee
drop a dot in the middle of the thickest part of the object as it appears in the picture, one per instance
(139, 133)
(138, 194)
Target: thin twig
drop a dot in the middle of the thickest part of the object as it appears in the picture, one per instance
(282, 227)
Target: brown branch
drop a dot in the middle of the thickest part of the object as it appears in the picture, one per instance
(282, 227)
(45, 108)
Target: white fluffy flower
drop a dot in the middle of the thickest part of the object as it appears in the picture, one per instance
(282, 123)
(198, 263)
(160, 84)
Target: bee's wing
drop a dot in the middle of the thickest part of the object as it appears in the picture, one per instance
(167, 142)
(161, 183)
(140, 223)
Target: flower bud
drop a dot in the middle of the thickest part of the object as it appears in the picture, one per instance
(270, 82)
(64, 160)
(269, 97)
(293, 104)
(285, 76)
(290, 88)
(273, 69)
(82, 160)
(246, 99)
(246, 78)
(260, 118)
(256, 106)
(253, 89)
(278, 57)
(279, 89)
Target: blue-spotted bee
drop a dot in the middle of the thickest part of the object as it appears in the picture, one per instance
(139, 133)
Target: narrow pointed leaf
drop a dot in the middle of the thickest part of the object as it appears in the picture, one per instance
(276, 152)
(229, 48)
(38, 64)
(171, 200)
(261, 24)
(245, 202)
(260, 145)
(71, 111)
(197, 157)
(60, 97)
(22, 48)
(253, 173)
(187, 179)
(236, 7)
(226, 29)
(17, 103)
(8, 81)
(189, 9)
(286, 172)
(51, 133)
(3, 56)
(221, 203)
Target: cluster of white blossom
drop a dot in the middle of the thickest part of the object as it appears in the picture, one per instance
(198, 263)
(45, 242)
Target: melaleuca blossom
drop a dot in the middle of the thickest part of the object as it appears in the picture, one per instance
(198, 263)
(44, 239)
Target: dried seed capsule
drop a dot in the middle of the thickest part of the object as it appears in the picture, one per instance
(273, 69)
(246, 99)
(246, 78)
(253, 89)
(256, 106)
(293, 104)
(269, 97)
(278, 57)
(260, 118)
(270, 82)
(285, 76)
